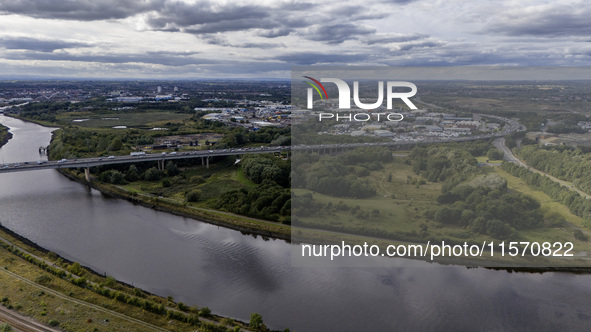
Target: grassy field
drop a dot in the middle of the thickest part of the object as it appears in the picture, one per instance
(403, 207)
(56, 301)
(130, 119)
(404, 212)
(563, 231)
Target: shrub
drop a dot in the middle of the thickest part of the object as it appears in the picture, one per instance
(579, 235)
(194, 195)
(5, 328)
(256, 320)
(43, 279)
(205, 312)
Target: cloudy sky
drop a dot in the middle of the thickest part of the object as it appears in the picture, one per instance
(264, 38)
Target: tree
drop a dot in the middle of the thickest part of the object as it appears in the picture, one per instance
(117, 178)
(132, 174)
(193, 195)
(205, 312)
(256, 320)
(152, 174)
(171, 169)
(116, 144)
(494, 154)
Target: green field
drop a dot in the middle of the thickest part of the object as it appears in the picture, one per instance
(406, 212)
(37, 292)
(131, 119)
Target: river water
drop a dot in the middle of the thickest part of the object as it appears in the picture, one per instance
(235, 274)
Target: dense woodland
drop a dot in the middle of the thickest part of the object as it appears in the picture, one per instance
(340, 176)
(565, 163)
(270, 199)
(578, 205)
(471, 198)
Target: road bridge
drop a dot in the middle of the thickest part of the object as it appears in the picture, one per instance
(205, 155)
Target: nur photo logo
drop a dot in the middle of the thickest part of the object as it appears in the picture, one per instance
(344, 93)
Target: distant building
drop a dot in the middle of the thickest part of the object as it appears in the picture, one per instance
(458, 130)
(126, 99)
(433, 128)
(384, 133)
(163, 97)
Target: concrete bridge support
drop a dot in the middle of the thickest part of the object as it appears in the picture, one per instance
(207, 162)
(161, 165)
(87, 174)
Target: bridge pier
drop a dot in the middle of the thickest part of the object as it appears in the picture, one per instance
(207, 162)
(161, 165)
(202, 161)
(87, 174)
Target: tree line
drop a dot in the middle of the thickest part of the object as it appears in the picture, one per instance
(577, 204)
(270, 199)
(340, 176)
(565, 163)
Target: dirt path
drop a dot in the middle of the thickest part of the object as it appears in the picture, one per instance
(22, 323)
(146, 325)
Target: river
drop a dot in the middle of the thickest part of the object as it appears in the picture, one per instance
(235, 274)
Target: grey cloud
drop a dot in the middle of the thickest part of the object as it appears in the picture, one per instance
(27, 43)
(277, 32)
(81, 10)
(387, 39)
(235, 25)
(207, 17)
(399, 2)
(312, 58)
(161, 58)
(221, 40)
(338, 33)
(546, 21)
(259, 45)
(203, 13)
(469, 55)
(424, 44)
(356, 13)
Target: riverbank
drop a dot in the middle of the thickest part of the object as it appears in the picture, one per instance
(45, 124)
(254, 227)
(49, 289)
(5, 135)
(249, 226)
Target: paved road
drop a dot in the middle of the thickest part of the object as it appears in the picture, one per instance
(110, 160)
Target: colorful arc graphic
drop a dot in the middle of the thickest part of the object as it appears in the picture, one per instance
(319, 84)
